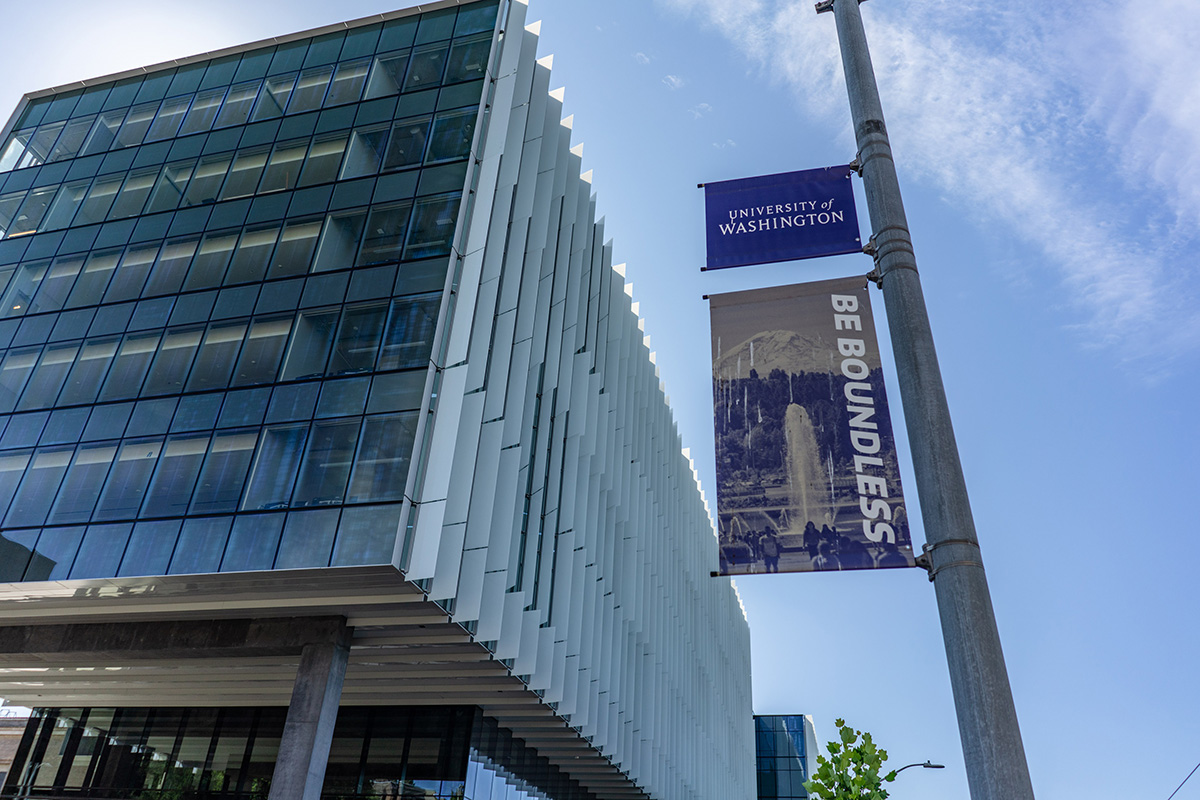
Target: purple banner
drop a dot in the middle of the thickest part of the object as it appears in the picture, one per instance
(783, 217)
(807, 473)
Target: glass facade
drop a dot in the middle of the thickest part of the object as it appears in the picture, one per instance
(219, 287)
(781, 745)
(448, 753)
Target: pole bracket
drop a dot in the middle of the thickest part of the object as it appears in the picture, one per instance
(875, 276)
(869, 248)
(827, 5)
(856, 165)
(925, 562)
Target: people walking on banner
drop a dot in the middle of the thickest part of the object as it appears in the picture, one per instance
(769, 548)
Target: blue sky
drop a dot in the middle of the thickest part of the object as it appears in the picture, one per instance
(1050, 159)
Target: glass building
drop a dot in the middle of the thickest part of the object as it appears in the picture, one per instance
(319, 390)
(786, 751)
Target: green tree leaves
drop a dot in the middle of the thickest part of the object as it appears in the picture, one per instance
(852, 770)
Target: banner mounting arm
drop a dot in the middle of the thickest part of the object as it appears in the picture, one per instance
(827, 5)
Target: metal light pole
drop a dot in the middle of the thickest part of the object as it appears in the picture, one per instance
(987, 719)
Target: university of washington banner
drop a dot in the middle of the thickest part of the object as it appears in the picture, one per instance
(781, 217)
(807, 473)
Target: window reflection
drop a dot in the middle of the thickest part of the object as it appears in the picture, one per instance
(203, 112)
(310, 90)
(171, 267)
(21, 290)
(40, 144)
(348, 82)
(252, 255)
(327, 463)
(208, 267)
(262, 352)
(71, 139)
(129, 367)
(452, 134)
(170, 117)
(99, 269)
(56, 286)
(66, 203)
(384, 235)
(29, 218)
(274, 98)
(323, 160)
(283, 168)
(339, 240)
(14, 149)
(87, 374)
(275, 467)
(207, 180)
(432, 227)
(9, 203)
(104, 133)
(238, 103)
(134, 193)
(366, 152)
(170, 489)
(296, 246)
(81, 488)
(243, 177)
(224, 473)
(130, 276)
(381, 467)
(387, 75)
(468, 59)
(48, 377)
(99, 200)
(126, 485)
(36, 492)
(425, 68)
(137, 123)
(407, 145)
(168, 191)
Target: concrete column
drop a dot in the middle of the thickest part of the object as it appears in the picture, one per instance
(308, 731)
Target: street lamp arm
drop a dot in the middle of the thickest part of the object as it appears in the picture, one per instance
(926, 765)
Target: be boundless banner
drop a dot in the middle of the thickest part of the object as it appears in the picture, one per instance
(807, 473)
(783, 217)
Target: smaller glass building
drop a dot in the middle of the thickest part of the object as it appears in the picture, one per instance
(442, 753)
(786, 751)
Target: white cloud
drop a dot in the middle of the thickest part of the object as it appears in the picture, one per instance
(725, 144)
(1077, 130)
(698, 111)
(641, 58)
(673, 82)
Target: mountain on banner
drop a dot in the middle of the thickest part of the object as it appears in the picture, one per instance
(771, 350)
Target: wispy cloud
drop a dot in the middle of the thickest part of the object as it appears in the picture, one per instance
(673, 82)
(1078, 130)
(699, 110)
(641, 58)
(723, 145)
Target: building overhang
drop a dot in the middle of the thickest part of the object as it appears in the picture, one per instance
(235, 640)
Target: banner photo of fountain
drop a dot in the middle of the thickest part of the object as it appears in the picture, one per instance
(807, 473)
(782, 217)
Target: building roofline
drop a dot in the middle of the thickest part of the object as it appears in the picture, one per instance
(388, 16)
